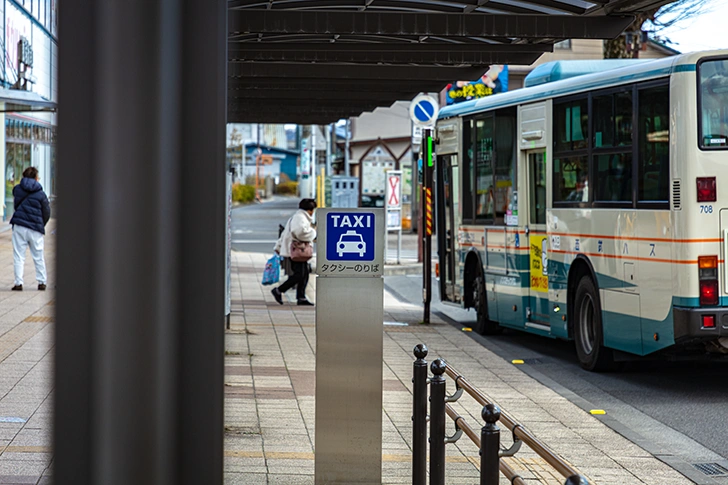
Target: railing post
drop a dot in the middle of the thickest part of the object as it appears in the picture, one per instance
(419, 416)
(437, 423)
(576, 480)
(490, 445)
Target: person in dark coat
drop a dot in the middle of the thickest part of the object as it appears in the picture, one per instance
(32, 212)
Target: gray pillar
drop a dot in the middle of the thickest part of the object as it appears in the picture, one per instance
(141, 203)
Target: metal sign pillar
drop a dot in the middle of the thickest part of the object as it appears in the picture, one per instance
(349, 348)
(428, 221)
(393, 206)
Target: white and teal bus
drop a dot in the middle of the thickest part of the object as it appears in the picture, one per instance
(593, 205)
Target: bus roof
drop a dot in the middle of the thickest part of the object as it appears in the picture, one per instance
(560, 70)
(632, 72)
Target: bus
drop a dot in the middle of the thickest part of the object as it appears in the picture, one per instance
(586, 207)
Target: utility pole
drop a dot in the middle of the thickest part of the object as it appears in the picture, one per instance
(314, 160)
(347, 173)
(329, 129)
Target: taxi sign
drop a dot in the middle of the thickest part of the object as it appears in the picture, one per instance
(350, 242)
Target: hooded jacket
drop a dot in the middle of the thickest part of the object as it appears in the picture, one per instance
(32, 208)
(300, 228)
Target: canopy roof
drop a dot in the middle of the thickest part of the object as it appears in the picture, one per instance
(317, 61)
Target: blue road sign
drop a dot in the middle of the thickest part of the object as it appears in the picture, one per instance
(350, 236)
(424, 110)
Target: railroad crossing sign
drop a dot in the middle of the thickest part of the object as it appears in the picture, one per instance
(424, 110)
(394, 189)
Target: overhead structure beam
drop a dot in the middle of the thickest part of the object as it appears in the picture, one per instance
(293, 82)
(403, 74)
(295, 94)
(476, 47)
(450, 58)
(425, 24)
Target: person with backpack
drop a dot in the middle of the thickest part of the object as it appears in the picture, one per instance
(32, 212)
(297, 236)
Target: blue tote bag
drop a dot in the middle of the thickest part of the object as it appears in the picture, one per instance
(272, 271)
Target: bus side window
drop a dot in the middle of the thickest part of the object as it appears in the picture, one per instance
(654, 145)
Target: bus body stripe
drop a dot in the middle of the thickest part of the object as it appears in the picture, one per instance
(634, 258)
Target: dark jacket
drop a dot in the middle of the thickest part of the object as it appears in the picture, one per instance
(32, 208)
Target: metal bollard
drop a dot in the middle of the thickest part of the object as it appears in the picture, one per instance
(490, 445)
(437, 423)
(419, 416)
(576, 480)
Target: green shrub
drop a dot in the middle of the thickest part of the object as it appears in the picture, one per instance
(243, 193)
(287, 188)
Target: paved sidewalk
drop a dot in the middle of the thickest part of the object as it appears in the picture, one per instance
(270, 387)
(26, 368)
(269, 390)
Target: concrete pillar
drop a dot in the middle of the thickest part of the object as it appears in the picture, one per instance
(141, 185)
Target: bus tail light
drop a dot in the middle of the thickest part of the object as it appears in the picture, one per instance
(707, 189)
(708, 279)
(708, 321)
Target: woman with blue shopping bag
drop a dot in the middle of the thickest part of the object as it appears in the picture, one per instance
(296, 247)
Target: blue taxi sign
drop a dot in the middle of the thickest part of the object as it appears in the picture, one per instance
(350, 242)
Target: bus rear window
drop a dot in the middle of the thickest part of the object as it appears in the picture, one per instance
(713, 100)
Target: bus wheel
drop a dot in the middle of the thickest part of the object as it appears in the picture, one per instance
(484, 325)
(593, 356)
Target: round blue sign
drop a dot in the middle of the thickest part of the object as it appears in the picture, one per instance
(424, 110)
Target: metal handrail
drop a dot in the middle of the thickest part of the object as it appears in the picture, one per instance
(518, 430)
(460, 422)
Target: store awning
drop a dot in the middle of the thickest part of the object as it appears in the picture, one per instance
(17, 101)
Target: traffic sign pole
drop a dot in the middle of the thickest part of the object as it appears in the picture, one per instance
(427, 182)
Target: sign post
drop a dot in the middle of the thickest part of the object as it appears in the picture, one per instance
(349, 349)
(423, 112)
(428, 221)
(393, 204)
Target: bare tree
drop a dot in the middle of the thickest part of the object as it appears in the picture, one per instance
(650, 24)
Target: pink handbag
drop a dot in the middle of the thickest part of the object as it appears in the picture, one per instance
(301, 251)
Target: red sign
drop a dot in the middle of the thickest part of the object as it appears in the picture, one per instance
(394, 190)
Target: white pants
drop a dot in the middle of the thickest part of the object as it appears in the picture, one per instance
(22, 239)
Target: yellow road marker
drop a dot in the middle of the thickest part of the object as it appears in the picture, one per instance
(467, 329)
(517, 361)
(597, 411)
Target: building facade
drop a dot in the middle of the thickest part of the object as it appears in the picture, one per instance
(28, 94)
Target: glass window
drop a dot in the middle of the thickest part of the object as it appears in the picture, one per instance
(537, 183)
(571, 179)
(484, 175)
(613, 178)
(623, 118)
(572, 122)
(713, 96)
(654, 145)
(612, 120)
(603, 121)
(505, 163)
(468, 171)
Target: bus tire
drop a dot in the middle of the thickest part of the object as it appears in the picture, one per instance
(588, 333)
(484, 325)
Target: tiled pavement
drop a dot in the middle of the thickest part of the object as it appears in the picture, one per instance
(26, 369)
(270, 387)
(269, 390)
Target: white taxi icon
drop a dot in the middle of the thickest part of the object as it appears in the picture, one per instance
(351, 242)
